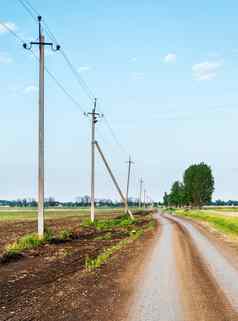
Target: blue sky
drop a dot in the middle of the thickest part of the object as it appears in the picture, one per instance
(165, 74)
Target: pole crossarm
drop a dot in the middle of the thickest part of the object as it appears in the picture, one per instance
(40, 42)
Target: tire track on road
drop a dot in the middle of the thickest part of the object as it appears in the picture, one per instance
(225, 274)
(203, 298)
(157, 297)
(183, 281)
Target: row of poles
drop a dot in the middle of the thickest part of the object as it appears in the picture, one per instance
(94, 143)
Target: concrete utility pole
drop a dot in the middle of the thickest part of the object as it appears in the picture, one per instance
(113, 178)
(94, 116)
(41, 43)
(140, 196)
(144, 198)
(128, 183)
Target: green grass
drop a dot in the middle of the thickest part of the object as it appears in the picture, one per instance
(225, 224)
(102, 225)
(26, 242)
(222, 208)
(31, 241)
(31, 215)
(123, 223)
(92, 264)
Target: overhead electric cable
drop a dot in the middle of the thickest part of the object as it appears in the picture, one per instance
(46, 69)
(31, 10)
(76, 103)
(11, 31)
(26, 4)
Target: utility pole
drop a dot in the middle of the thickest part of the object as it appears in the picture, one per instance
(128, 183)
(140, 196)
(144, 198)
(94, 116)
(41, 43)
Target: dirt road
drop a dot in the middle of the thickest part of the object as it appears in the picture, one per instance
(187, 278)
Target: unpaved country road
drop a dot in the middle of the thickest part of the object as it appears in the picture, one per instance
(187, 278)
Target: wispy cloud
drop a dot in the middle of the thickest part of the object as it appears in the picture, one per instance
(30, 89)
(206, 70)
(8, 24)
(137, 75)
(133, 59)
(170, 58)
(84, 68)
(5, 58)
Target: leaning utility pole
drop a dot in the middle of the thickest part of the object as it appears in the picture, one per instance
(94, 116)
(140, 196)
(128, 183)
(41, 43)
(113, 178)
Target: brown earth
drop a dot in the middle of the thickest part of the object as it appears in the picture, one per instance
(10, 231)
(51, 284)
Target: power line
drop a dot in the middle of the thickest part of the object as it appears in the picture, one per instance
(31, 11)
(122, 148)
(46, 69)
(29, 8)
(26, 4)
(12, 32)
(76, 103)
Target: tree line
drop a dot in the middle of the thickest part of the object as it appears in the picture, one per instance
(195, 190)
(81, 201)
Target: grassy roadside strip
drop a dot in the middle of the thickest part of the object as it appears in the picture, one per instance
(92, 264)
(122, 225)
(32, 241)
(224, 224)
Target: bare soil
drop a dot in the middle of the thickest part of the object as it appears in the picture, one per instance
(10, 231)
(50, 283)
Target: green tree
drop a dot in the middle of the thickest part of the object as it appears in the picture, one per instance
(166, 199)
(198, 184)
(177, 194)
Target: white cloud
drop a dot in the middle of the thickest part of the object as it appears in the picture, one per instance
(5, 58)
(206, 70)
(10, 25)
(84, 68)
(170, 58)
(30, 89)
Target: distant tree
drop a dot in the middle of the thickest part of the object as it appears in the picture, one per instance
(198, 184)
(50, 202)
(86, 200)
(177, 194)
(166, 199)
